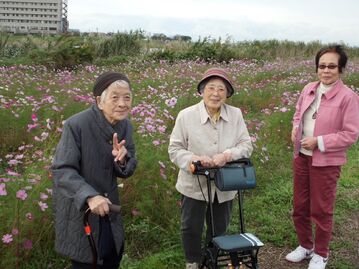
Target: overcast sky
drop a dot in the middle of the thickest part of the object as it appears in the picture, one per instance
(302, 20)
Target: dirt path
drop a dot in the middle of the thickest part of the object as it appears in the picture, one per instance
(345, 242)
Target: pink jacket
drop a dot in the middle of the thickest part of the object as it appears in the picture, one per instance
(337, 122)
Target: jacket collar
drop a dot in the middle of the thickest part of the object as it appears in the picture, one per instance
(204, 114)
(332, 92)
(105, 127)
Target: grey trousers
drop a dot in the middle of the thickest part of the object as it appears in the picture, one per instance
(193, 214)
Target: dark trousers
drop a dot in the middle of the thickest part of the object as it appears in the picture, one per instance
(109, 263)
(193, 214)
(314, 198)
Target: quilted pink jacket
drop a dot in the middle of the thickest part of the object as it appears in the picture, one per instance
(337, 122)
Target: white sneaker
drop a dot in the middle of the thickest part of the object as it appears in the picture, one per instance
(299, 254)
(192, 265)
(317, 262)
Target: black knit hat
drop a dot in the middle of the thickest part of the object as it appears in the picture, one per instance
(106, 79)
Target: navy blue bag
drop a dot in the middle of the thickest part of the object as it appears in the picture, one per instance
(236, 175)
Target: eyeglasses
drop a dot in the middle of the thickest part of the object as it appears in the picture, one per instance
(330, 66)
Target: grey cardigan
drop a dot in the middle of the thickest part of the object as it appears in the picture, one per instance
(83, 167)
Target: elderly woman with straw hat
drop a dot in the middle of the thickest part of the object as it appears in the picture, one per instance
(213, 133)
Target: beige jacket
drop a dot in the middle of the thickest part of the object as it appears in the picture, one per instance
(193, 134)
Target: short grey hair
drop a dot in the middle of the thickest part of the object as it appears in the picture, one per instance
(120, 83)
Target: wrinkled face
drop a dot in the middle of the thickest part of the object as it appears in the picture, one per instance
(214, 94)
(115, 102)
(328, 70)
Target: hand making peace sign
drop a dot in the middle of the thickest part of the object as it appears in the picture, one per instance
(119, 151)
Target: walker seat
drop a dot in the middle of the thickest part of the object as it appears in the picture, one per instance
(234, 242)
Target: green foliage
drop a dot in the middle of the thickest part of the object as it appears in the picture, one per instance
(211, 51)
(114, 60)
(65, 52)
(68, 51)
(168, 258)
(205, 49)
(4, 37)
(166, 54)
(25, 216)
(119, 44)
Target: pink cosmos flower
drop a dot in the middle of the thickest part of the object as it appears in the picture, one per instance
(162, 170)
(19, 156)
(266, 111)
(27, 244)
(3, 189)
(13, 162)
(43, 196)
(135, 212)
(21, 194)
(29, 216)
(48, 124)
(162, 165)
(31, 126)
(15, 231)
(21, 148)
(12, 173)
(39, 153)
(34, 117)
(171, 102)
(150, 128)
(90, 68)
(162, 129)
(163, 173)
(55, 108)
(44, 135)
(7, 238)
(42, 206)
(156, 142)
(49, 191)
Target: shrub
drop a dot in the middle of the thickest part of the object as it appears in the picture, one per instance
(66, 52)
(119, 44)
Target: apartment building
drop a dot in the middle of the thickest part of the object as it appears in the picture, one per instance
(34, 16)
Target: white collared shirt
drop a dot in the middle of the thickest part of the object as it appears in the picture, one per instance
(308, 119)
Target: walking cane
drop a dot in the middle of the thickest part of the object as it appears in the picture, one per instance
(88, 231)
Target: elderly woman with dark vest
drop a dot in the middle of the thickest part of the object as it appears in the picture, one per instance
(213, 133)
(325, 125)
(96, 147)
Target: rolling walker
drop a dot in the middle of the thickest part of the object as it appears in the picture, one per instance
(233, 250)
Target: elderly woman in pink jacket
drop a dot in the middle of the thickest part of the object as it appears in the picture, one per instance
(325, 125)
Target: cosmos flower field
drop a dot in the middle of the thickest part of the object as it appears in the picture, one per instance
(35, 102)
